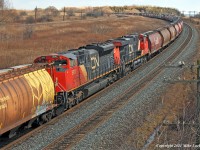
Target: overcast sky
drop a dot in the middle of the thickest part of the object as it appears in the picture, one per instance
(182, 5)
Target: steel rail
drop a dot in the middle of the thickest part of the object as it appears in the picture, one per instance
(109, 109)
(73, 136)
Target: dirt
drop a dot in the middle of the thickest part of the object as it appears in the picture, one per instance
(20, 44)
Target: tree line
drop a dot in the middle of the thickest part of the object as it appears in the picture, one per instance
(51, 13)
(146, 9)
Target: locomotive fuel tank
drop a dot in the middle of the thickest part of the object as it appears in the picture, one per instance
(23, 97)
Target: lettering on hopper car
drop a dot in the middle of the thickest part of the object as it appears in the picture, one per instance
(3, 102)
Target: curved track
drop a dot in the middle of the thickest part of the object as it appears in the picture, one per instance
(69, 139)
(75, 134)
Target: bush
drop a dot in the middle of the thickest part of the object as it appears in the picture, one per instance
(30, 19)
(45, 18)
(16, 18)
(28, 32)
(23, 13)
(70, 12)
(95, 13)
(52, 11)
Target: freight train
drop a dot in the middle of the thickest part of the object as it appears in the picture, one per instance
(33, 94)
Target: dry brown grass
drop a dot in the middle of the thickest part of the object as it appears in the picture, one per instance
(16, 48)
(171, 106)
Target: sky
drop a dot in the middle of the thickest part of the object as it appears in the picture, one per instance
(181, 5)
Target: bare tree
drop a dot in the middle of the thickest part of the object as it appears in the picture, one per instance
(2, 4)
(5, 11)
(71, 12)
(52, 11)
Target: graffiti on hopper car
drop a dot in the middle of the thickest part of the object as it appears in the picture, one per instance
(3, 102)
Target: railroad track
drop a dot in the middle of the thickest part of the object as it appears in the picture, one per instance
(74, 135)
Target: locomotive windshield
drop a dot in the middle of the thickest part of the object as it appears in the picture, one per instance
(60, 62)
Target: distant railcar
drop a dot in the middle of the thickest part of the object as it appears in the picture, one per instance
(166, 36)
(150, 42)
(172, 32)
(178, 30)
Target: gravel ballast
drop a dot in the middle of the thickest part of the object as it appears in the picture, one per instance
(112, 131)
(111, 134)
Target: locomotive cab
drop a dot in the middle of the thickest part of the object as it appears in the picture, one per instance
(54, 60)
(64, 70)
(144, 46)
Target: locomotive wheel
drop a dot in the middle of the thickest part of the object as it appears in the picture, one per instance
(67, 106)
(77, 100)
(70, 105)
(144, 60)
(40, 122)
(59, 110)
(49, 116)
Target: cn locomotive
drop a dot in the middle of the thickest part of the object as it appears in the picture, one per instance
(33, 94)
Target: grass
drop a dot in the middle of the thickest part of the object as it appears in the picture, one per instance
(17, 48)
(170, 108)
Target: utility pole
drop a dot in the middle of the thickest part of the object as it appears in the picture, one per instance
(198, 105)
(2, 4)
(36, 14)
(183, 12)
(64, 14)
(81, 14)
(189, 13)
(2, 8)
